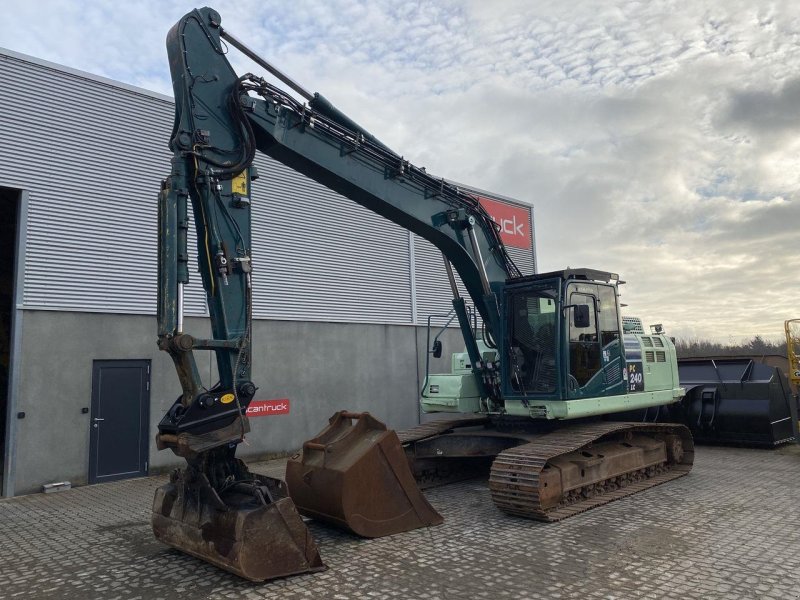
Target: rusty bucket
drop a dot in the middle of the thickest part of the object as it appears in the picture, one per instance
(251, 530)
(355, 475)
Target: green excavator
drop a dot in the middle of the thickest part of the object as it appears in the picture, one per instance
(526, 407)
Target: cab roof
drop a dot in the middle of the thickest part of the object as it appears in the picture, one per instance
(582, 274)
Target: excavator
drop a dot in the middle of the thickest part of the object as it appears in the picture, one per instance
(548, 361)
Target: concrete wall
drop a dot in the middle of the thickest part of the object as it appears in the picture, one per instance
(320, 367)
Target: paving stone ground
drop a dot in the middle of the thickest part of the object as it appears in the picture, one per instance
(728, 530)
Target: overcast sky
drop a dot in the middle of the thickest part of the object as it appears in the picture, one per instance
(659, 140)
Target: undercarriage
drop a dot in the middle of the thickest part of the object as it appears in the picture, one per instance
(549, 475)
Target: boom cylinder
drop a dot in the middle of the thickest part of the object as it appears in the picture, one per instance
(476, 249)
(451, 278)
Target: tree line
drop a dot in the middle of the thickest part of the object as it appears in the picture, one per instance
(757, 346)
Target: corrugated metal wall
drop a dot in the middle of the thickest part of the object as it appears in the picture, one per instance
(320, 256)
(92, 152)
(91, 155)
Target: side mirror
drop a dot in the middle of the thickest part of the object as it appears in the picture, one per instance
(580, 316)
(437, 349)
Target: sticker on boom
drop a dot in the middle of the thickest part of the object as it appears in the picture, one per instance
(239, 184)
(227, 398)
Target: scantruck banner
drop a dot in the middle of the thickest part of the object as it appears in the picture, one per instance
(266, 408)
(514, 221)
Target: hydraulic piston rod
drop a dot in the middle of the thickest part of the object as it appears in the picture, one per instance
(451, 278)
(226, 35)
(476, 249)
(179, 327)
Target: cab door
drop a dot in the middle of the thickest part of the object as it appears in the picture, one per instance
(595, 353)
(611, 347)
(585, 357)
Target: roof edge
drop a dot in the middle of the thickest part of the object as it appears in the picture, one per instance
(5, 52)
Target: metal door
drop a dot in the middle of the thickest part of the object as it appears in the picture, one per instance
(119, 439)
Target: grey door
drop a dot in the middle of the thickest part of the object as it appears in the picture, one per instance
(118, 447)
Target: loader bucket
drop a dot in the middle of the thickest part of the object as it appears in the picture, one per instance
(355, 475)
(737, 401)
(253, 538)
(729, 400)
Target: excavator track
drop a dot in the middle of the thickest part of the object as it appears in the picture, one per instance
(520, 476)
(575, 468)
(439, 426)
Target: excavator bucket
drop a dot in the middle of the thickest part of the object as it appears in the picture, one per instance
(252, 529)
(355, 475)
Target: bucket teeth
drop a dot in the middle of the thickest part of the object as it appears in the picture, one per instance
(252, 530)
(355, 475)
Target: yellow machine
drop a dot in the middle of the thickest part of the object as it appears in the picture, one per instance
(792, 327)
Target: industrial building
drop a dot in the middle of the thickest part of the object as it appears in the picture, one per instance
(342, 296)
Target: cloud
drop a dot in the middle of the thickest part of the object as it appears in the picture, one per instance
(655, 139)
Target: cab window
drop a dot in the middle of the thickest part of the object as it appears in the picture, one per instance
(584, 342)
(609, 317)
(533, 340)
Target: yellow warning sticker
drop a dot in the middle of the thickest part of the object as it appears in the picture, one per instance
(239, 184)
(227, 398)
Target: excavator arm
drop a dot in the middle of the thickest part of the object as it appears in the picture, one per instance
(215, 508)
(221, 121)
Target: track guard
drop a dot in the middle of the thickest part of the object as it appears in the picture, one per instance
(255, 539)
(355, 475)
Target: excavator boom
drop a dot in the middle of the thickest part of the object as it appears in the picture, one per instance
(221, 120)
